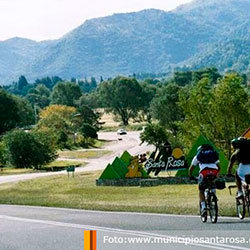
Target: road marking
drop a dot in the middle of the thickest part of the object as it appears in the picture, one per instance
(119, 212)
(119, 231)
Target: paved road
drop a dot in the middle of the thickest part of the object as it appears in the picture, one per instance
(130, 142)
(35, 228)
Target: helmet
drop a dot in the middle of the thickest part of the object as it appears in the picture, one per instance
(236, 142)
(204, 147)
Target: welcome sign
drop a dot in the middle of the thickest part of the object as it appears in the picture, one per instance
(166, 160)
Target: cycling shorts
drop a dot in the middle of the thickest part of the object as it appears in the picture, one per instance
(203, 174)
(243, 170)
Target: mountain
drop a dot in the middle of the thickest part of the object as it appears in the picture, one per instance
(202, 33)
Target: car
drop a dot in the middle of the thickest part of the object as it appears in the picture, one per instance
(121, 131)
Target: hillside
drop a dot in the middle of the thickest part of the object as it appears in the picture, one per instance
(202, 33)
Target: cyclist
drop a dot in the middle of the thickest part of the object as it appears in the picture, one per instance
(208, 161)
(241, 155)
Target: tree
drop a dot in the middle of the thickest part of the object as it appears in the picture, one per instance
(25, 112)
(165, 108)
(27, 150)
(22, 82)
(88, 131)
(49, 82)
(196, 104)
(2, 155)
(123, 96)
(219, 112)
(182, 78)
(39, 96)
(91, 100)
(211, 73)
(87, 86)
(154, 134)
(86, 115)
(58, 121)
(66, 93)
(9, 116)
(149, 91)
(230, 108)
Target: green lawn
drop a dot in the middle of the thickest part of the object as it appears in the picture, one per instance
(61, 165)
(13, 171)
(80, 192)
(80, 154)
(53, 166)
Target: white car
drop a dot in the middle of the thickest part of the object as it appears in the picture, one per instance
(121, 131)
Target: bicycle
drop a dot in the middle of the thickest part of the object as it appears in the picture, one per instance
(210, 199)
(242, 202)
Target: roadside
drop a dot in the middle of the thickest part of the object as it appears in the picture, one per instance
(110, 150)
(81, 192)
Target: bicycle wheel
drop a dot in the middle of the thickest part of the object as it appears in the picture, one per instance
(240, 207)
(203, 216)
(213, 208)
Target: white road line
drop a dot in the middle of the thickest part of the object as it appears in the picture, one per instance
(120, 231)
(117, 212)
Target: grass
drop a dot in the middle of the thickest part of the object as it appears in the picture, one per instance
(53, 166)
(134, 127)
(61, 165)
(14, 171)
(81, 193)
(110, 125)
(99, 143)
(80, 154)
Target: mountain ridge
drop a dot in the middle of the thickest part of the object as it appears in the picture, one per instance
(149, 41)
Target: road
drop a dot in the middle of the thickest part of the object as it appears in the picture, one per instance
(35, 228)
(130, 142)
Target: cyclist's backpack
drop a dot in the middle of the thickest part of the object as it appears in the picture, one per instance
(244, 152)
(208, 156)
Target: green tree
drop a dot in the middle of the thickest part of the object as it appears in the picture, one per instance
(91, 100)
(230, 108)
(22, 83)
(88, 131)
(123, 96)
(219, 112)
(27, 150)
(165, 108)
(25, 112)
(2, 155)
(154, 134)
(9, 116)
(86, 115)
(58, 120)
(66, 93)
(39, 96)
(149, 91)
(210, 73)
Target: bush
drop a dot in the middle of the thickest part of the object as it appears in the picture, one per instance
(2, 155)
(27, 150)
(88, 131)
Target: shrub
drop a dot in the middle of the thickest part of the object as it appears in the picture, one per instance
(88, 131)
(27, 149)
(2, 155)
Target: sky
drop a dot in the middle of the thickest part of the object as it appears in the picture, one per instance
(50, 19)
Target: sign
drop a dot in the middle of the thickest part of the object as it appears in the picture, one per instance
(71, 169)
(165, 160)
(134, 168)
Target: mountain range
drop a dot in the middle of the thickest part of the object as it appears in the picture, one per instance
(199, 34)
